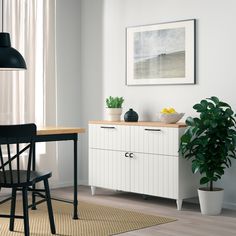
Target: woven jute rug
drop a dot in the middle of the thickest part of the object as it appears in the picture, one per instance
(95, 220)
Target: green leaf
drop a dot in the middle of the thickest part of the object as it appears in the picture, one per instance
(211, 106)
(195, 167)
(223, 104)
(204, 103)
(198, 107)
(204, 180)
(215, 100)
(214, 179)
(185, 138)
(213, 124)
(220, 171)
(197, 121)
(229, 112)
(189, 121)
(207, 122)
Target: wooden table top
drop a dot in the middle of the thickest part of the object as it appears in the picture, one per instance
(59, 130)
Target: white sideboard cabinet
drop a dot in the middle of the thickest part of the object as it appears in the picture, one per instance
(140, 157)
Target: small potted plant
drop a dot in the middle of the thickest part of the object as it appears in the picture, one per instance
(209, 142)
(114, 108)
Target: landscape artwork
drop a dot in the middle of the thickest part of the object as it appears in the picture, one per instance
(161, 54)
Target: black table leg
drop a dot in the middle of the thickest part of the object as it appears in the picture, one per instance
(33, 187)
(63, 137)
(75, 203)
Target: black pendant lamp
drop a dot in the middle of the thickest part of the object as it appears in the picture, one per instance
(10, 58)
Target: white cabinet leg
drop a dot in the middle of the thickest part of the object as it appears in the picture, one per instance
(179, 204)
(93, 189)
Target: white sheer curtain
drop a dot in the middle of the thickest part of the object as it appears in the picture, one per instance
(30, 96)
(23, 95)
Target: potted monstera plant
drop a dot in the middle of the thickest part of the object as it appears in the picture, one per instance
(114, 108)
(209, 142)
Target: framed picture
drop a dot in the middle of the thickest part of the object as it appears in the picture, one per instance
(161, 53)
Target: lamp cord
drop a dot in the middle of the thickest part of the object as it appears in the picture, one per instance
(2, 16)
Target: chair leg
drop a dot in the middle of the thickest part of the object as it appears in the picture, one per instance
(25, 211)
(13, 208)
(49, 205)
(33, 199)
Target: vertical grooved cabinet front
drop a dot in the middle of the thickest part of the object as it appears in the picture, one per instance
(140, 157)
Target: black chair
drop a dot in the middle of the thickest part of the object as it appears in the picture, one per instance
(18, 142)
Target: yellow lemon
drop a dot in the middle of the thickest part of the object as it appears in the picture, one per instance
(165, 111)
(172, 110)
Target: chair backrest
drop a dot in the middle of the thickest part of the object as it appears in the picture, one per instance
(16, 141)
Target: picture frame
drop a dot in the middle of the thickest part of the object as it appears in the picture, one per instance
(161, 54)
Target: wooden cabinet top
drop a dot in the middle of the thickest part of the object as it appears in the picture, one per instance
(139, 123)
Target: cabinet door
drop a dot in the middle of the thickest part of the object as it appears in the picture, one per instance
(154, 175)
(110, 137)
(155, 140)
(109, 169)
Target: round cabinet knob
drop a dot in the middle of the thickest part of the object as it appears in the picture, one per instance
(126, 154)
(131, 116)
(131, 155)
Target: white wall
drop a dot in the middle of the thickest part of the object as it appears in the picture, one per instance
(103, 63)
(91, 72)
(68, 49)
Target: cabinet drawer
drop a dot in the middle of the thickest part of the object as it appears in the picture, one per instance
(155, 140)
(111, 137)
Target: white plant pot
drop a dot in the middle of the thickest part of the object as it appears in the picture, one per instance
(211, 201)
(113, 114)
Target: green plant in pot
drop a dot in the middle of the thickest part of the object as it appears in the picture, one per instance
(114, 107)
(209, 142)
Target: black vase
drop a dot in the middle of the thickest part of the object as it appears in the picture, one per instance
(131, 116)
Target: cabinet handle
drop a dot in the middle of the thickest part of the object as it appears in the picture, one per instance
(131, 155)
(126, 154)
(153, 129)
(107, 127)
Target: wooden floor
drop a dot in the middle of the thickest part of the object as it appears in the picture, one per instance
(189, 221)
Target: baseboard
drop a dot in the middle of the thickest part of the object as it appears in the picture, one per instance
(192, 200)
(83, 182)
(67, 184)
(229, 205)
(61, 184)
